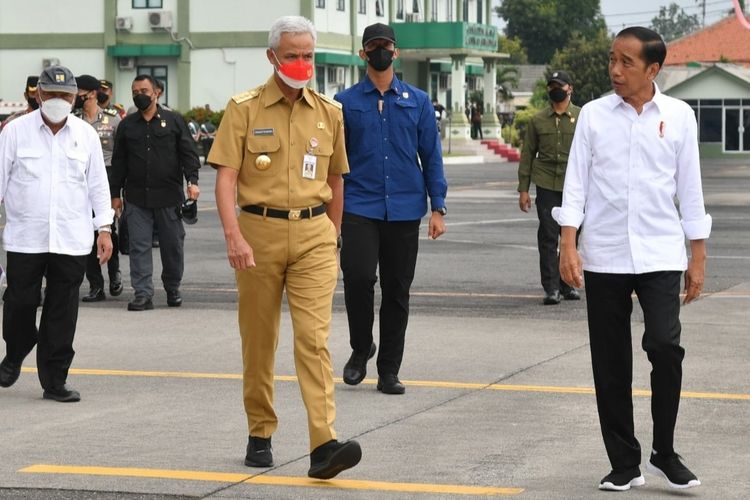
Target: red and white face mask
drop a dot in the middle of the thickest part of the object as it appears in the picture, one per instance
(295, 74)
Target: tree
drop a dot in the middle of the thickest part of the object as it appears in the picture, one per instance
(514, 48)
(544, 26)
(507, 79)
(672, 22)
(587, 62)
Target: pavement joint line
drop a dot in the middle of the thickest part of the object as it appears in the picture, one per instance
(263, 479)
(437, 384)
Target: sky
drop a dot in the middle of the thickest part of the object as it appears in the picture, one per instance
(622, 13)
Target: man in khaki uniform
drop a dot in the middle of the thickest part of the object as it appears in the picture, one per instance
(280, 154)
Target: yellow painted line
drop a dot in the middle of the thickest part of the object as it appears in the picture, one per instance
(227, 477)
(550, 389)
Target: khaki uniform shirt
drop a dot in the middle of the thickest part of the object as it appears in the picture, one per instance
(261, 122)
(544, 156)
(105, 124)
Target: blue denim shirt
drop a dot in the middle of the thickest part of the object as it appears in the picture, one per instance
(395, 158)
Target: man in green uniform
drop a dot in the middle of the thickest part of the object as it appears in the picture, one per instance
(280, 154)
(543, 160)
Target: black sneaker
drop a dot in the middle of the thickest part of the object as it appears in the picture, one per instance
(330, 458)
(671, 468)
(259, 452)
(622, 480)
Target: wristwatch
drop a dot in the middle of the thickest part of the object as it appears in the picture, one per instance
(442, 211)
(338, 242)
(105, 229)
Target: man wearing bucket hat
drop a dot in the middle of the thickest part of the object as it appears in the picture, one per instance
(52, 178)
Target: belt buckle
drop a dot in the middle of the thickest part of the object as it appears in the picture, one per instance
(295, 214)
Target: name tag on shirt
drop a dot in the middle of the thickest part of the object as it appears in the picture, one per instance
(262, 131)
(309, 165)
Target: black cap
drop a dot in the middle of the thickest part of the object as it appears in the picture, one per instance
(58, 79)
(105, 84)
(190, 212)
(560, 77)
(376, 31)
(31, 82)
(87, 82)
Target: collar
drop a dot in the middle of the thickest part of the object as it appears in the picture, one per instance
(273, 94)
(551, 110)
(40, 123)
(367, 85)
(658, 99)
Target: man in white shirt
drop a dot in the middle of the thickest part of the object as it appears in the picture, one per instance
(52, 177)
(633, 153)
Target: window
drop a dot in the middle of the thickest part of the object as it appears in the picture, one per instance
(157, 73)
(479, 11)
(709, 122)
(415, 7)
(399, 9)
(320, 78)
(434, 10)
(449, 11)
(340, 5)
(466, 11)
(362, 7)
(379, 8)
(147, 4)
(321, 4)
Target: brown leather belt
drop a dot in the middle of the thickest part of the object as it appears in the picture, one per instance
(296, 214)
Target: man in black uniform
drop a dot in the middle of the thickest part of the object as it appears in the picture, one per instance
(153, 152)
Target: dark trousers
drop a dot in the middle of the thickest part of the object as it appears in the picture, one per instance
(476, 130)
(54, 338)
(141, 225)
(94, 270)
(609, 303)
(391, 245)
(547, 238)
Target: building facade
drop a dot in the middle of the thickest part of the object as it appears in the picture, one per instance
(206, 51)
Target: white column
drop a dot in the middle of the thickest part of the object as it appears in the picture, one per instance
(459, 125)
(491, 128)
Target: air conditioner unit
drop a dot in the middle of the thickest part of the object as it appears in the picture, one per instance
(159, 19)
(124, 23)
(50, 61)
(125, 63)
(413, 17)
(336, 74)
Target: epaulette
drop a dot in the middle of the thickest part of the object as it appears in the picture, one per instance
(327, 99)
(110, 112)
(247, 95)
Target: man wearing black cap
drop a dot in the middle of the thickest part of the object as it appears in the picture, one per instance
(29, 93)
(52, 171)
(543, 160)
(105, 122)
(388, 124)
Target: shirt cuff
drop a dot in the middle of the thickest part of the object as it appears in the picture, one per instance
(437, 202)
(697, 229)
(567, 217)
(104, 219)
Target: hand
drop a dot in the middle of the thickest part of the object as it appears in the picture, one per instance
(436, 226)
(104, 247)
(117, 206)
(694, 279)
(239, 252)
(524, 201)
(193, 192)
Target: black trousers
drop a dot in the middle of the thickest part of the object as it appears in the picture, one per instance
(94, 270)
(54, 338)
(392, 246)
(609, 303)
(547, 237)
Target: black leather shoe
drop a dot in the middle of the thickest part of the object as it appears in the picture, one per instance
(390, 384)
(115, 285)
(330, 458)
(356, 368)
(95, 295)
(259, 452)
(9, 372)
(552, 298)
(140, 304)
(572, 294)
(174, 299)
(62, 394)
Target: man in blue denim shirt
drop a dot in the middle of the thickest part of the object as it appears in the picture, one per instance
(396, 162)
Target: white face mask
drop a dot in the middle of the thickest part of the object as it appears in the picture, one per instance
(56, 110)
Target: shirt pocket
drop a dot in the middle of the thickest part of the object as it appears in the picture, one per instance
(268, 145)
(323, 154)
(28, 164)
(75, 170)
(363, 124)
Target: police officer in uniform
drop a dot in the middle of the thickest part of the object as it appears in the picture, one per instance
(105, 123)
(280, 154)
(29, 93)
(105, 99)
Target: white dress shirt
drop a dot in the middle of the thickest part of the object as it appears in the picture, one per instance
(50, 183)
(626, 175)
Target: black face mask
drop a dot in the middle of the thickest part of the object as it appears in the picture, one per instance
(101, 97)
(79, 102)
(142, 101)
(380, 58)
(557, 95)
(32, 103)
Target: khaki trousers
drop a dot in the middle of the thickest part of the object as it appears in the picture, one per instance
(301, 257)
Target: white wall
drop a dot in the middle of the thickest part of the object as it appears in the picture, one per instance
(140, 16)
(51, 16)
(238, 15)
(332, 20)
(216, 76)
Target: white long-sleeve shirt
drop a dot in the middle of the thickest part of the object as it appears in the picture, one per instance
(50, 183)
(627, 173)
